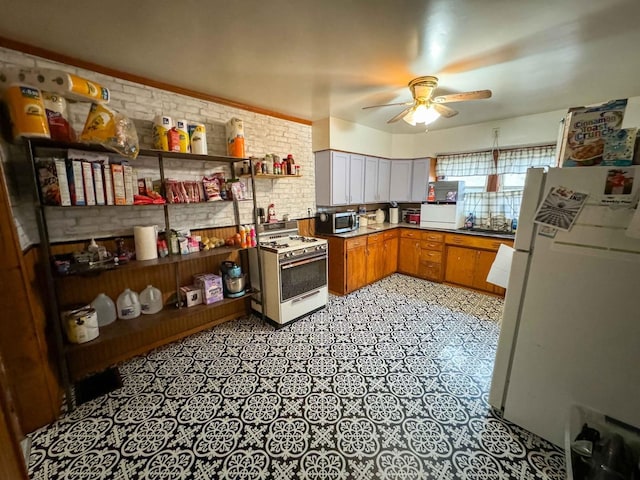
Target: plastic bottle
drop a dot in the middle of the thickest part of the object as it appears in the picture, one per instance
(150, 300)
(128, 305)
(105, 308)
(252, 235)
(243, 237)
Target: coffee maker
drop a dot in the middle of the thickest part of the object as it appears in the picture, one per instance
(233, 280)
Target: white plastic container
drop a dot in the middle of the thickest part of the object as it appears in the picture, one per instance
(128, 305)
(150, 300)
(105, 308)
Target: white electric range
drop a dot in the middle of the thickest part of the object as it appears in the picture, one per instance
(294, 270)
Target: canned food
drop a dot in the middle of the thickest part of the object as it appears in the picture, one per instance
(81, 324)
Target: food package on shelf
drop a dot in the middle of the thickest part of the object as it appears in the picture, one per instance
(57, 113)
(213, 186)
(112, 130)
(68, 85)
(27, 111)
(235, 138)
(52, 176)
(211, 286)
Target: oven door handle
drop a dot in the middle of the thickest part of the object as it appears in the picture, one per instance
(302, 262)
(305, 296)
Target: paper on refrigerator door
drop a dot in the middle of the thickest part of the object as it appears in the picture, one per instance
(499, 272)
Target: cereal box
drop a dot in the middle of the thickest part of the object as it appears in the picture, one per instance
(52, 175)
(586, 132)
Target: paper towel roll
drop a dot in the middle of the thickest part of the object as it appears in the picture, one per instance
(145, 240)
(393, 215)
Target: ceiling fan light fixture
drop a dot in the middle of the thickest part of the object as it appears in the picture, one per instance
(421, 114)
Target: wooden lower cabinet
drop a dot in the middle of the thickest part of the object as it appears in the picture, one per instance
(458, 259)
(390, 253)
(469, 259)
(356, 263)
(359, 261)
(409, 252)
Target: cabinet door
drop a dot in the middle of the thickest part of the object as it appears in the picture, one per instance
(356, 268)
(371, 180)
(484, 261)
(384, 180)
(356, 178)
(400, 187)
(339, 178)
(375, 260)
(408, 256)
(460, 265)
(390, 256)
(419, 180)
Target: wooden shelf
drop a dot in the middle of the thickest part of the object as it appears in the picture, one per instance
(144, 152)
(268, 175)
(138, 264)
(189, 156)
(124, 339)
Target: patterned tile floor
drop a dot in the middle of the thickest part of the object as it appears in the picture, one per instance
(389, 382)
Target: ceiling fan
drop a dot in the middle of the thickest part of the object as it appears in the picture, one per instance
(425, 108)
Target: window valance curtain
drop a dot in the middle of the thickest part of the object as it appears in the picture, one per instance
(519, 160)
(465, 164)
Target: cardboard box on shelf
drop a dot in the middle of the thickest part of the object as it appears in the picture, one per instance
(211, 286)
(191, 295)
(52, 176)
(74, 178)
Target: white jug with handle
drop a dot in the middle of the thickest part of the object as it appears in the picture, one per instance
(379, 216)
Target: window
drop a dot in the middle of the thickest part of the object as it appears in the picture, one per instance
(472, 183)
(494, 209)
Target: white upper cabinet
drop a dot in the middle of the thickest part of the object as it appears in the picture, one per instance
(400, 188)
(376, 180)
(339, 178)
(420, 179)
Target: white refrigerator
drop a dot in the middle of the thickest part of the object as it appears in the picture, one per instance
(570, 332)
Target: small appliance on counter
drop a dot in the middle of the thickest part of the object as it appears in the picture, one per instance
(233, 280)
(444, 207)
(411, 215)
(337, 222)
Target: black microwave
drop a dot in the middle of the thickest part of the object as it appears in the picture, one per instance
(337, 222)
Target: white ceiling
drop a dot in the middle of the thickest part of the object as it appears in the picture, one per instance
(313, 59)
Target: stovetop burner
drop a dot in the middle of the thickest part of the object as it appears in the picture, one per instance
(274, 244)
(303, 239)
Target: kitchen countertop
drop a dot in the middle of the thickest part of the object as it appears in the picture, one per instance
(381, 227)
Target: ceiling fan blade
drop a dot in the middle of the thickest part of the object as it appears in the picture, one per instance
(443, 110)
(388, 105)
(400, 115)
(463, 97)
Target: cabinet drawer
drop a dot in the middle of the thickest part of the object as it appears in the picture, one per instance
(407, 233)
(356, 242)
(476, 242)
(437, 246)
(433, 237)
(374, 238)
(390, 234)
(430, 256)
(431, 271)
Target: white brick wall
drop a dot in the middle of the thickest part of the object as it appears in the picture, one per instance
(263, 134)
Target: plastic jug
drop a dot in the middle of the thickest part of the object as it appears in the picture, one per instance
(150, 300)
(105, 308)
(128, 305)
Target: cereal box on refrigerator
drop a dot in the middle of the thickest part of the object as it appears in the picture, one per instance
(586, 131)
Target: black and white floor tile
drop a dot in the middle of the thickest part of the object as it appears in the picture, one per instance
(387, 383)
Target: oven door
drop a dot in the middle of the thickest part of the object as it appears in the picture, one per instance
(298, 277)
